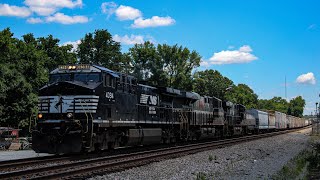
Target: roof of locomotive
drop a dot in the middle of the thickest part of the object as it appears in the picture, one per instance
(87, 68)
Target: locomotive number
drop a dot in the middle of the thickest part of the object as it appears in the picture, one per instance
(152, 110)
(109, 95)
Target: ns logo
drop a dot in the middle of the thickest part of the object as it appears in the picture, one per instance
(149, 99)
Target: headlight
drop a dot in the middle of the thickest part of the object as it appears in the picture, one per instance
(69, 115)
(40, 116)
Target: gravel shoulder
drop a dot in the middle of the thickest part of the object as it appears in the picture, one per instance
(258, 159)
(11, 155)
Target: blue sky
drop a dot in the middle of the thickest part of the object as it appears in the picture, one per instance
(258, 43)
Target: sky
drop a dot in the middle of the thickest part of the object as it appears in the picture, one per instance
(261, 43)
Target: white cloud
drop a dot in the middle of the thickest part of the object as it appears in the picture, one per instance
(108, 8)
(245, 48)
(43, 11)
(127, 13)
(133, 39)
(243, 55)
(204, 63)
(155, 21)
(48, 7)
(34, 20)
(65, 19)
(7, 10)
(75, 44)
(306, 79)
(55, 3)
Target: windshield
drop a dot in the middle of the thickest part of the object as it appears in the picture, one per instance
(59, 77)
(87, 77)
(83, 77)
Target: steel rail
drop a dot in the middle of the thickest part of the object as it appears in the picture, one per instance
(118, 162)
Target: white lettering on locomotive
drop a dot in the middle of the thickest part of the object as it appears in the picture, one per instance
(109, 95)
(153, 100)
(149, 99)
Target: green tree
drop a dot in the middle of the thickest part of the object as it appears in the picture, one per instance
(264, 104)
(296, 106)
(57, 55)
(242, 94)
(21, 74)
(146, 62)
(99, 48)
(178, 63)
(126, 63)
(211, 83)
(16, 95)
(31, 64)
(24, 67)
(164, 65)
(276, 103)
(9, 52)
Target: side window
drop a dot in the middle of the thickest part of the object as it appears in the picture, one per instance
(124, 82)
(134, 85)
(130, 84)
(134, 81)
(118, 81)
(107, 80)
(104, 80)
(123, 79)
(112, 83)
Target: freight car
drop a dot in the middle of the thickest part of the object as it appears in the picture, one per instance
(85, 108)
(281, 120)
(267, 121)
(262, 119)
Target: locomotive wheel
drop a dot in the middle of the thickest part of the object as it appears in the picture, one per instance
(97, 147)
(111, 145)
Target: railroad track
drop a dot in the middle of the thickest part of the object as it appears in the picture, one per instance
(94, 166)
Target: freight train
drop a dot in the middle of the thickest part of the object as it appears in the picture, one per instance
(86, 108)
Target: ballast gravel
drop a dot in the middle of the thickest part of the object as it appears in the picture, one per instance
(258, 159)
(11, 155)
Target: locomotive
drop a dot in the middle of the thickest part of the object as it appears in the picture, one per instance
(86, 108)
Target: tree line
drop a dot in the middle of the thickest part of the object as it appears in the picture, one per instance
(26, 62)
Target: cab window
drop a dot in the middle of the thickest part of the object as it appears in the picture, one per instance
(59, 77)
(109, 81)
(87, 77)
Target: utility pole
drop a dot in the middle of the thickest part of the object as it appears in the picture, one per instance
(317, 111)
(285, 86)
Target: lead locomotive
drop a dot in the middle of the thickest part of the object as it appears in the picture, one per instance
(87, 107)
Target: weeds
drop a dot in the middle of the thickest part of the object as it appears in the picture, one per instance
(295, 168)
(201, 176)
(303, 166)
(210, 158)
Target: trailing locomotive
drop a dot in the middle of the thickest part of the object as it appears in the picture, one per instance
(88, 107)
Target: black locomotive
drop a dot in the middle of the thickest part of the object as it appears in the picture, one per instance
(87, 107)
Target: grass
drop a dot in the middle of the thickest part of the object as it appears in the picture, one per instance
(211, 158)
(295, 168)
(304, 164)
(201, 176)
